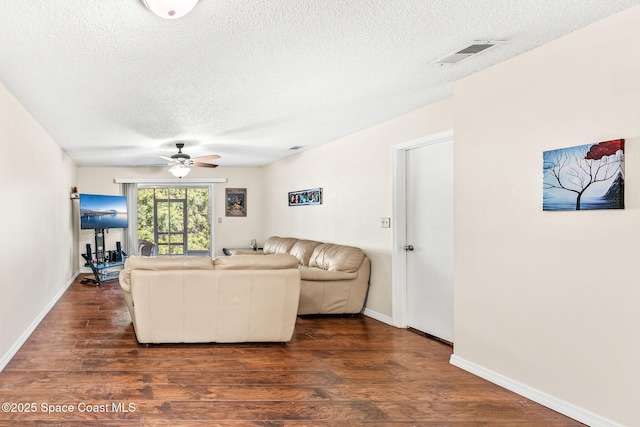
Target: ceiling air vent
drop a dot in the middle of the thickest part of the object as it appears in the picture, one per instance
(295, 147)
(474, 48)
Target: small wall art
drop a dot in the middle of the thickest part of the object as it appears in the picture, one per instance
(236, 201)
(312, 196)
(584, 177)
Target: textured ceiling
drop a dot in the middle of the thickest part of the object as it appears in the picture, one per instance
(115, 85)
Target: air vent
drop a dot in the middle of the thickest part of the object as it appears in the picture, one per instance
(295, 147)
(471, 49)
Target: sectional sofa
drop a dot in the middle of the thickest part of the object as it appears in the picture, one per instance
(334, 278)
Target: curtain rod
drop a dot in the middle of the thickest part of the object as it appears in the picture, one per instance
(169, 181)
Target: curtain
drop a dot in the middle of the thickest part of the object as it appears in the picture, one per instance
(130, 234)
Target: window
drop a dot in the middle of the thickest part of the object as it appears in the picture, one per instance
(175, 219)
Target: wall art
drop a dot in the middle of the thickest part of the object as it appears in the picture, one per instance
(312, 196)
(584, 177)
(236, 201)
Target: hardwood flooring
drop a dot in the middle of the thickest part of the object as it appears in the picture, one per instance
(337, 371)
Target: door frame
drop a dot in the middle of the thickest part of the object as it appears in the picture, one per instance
(399, 255)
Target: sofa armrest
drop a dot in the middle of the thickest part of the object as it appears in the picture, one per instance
(245, 252)
(123, 279)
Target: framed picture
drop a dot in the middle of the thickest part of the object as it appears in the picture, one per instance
(236, 201)
(584, 177)
(312, 196)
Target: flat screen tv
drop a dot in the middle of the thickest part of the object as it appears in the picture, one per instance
(100, 211)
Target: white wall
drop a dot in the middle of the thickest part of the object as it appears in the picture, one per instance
(551, 299)
(230, 232)
(38, 250)
(355, 173)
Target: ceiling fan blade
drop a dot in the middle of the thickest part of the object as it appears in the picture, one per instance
(169, 159)
(204, 165)
(206, 158)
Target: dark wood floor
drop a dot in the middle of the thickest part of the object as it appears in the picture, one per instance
(336, 372)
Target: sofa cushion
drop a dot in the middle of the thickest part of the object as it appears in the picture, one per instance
(278, 245)
(162, 263)
(315, 274)
(256, 262)
(328, 256)
(170, 263)
(303, 249)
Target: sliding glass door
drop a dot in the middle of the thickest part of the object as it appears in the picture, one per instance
(175, 219)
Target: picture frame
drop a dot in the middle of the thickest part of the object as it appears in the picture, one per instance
(584, 177)
(312, 196)
(236, 202)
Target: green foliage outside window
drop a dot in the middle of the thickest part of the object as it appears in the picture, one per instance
(169, 232)
(198, 219)
(145, 214)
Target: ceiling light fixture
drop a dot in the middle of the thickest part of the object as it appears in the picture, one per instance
(170, 9)
(179, 170)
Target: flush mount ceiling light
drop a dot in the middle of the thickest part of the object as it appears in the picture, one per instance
(169, 9)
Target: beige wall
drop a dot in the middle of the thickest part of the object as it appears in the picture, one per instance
(550, 299)
(228, 231)
(355, 173)
(38, 251)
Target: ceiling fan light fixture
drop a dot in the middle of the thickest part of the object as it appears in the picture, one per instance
(170, 9)
(180, 170)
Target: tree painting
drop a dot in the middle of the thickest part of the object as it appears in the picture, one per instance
(584, 177)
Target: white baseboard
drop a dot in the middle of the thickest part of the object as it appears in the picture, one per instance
(544, 399)
(6, 358)
(381, 317)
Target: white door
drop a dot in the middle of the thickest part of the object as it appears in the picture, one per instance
(429, 242)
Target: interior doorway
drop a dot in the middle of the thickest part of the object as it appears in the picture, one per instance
(423, 236)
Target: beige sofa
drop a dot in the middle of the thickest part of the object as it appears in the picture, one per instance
(196, 299)
(334, 278)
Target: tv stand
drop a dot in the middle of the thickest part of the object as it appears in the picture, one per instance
(107, 264)
(103, 271)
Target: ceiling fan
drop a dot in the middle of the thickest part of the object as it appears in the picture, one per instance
(181, 162)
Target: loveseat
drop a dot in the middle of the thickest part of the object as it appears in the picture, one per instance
(334, 278)
(197, 299)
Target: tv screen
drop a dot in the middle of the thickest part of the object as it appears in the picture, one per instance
(100, 211)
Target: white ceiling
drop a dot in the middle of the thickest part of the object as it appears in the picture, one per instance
(115, 85)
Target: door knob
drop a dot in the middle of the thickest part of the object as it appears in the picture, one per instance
(408, 248)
